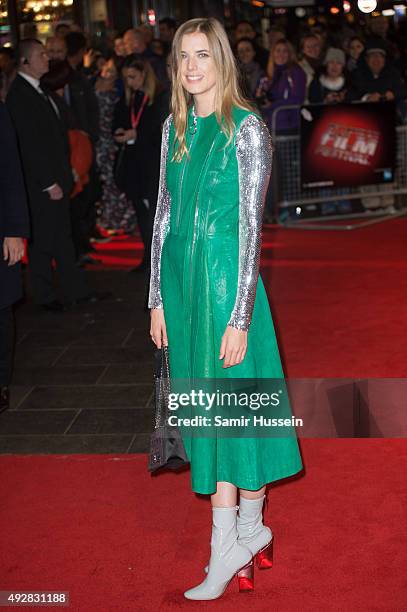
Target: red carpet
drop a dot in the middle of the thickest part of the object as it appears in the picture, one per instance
(338, 299)
(117, 539)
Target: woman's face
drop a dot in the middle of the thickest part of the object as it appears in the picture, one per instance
(312, 47)
(109, 71)
(100, 63)
(280, 54)
(355, 48)
(245, 52)
(334, 69)
(134, 78)
(119, 47)
(198, 70)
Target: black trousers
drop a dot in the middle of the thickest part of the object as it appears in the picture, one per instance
(145, 220)
(83, 213)
(6, 344)
(52, 241)
(144, 223)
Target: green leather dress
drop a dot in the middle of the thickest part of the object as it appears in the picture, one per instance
(204, 273)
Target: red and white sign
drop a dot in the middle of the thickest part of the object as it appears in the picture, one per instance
(348, 144)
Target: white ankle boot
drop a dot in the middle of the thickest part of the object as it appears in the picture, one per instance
(228, 557)
(252, 533)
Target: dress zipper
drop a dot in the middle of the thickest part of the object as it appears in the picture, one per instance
(182, 179)
(204, 165)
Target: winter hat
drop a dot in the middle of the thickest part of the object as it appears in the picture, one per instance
(335, 55)
(375, 48)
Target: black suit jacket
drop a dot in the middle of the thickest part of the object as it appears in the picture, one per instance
(13, 208)
(84, 104)
(139, 174)
(43, 142)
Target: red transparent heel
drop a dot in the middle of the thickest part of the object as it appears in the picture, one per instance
(264, 557)
(245, 578)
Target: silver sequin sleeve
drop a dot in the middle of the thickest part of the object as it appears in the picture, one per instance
(161, 222)
(254, 155)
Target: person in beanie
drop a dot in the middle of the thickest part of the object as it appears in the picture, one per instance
(330, 87)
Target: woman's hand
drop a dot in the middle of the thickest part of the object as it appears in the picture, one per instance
(331, 97)
(88, 58)
(233, 346)
(158, 330)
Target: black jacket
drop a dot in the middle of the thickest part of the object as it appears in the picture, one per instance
(141, 163)
(84, 104)
(43, 142)
(317, 91)
(13, 208)
(364, 82)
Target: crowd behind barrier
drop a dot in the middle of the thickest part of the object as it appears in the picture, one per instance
(292, 200)
(111, 102)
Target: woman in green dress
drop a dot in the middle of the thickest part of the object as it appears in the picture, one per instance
(206, 292)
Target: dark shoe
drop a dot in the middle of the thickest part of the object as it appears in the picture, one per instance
(101, 239)
(54, 306)
(97, 236)
(4, 398)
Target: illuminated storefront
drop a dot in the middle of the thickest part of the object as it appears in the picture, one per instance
(4, 22)
(39, 17)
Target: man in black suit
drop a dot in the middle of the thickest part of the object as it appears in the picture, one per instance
(81, 97)
(44, 150)
(14, 226)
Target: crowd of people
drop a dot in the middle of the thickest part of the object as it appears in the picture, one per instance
(92, 134)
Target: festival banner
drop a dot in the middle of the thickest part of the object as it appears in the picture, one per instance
(348, 145)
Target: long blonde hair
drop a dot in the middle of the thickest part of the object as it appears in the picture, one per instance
(150, 83)
(227, 93)
(292, 58)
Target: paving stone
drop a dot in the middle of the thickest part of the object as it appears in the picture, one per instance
(83, 380)
(37, 356)
(128, 373)
(35, 421)
(48, 338)
(140, 444)
(113, 421)
(65, 444)
(94, 355)
(74, 375)
(87, 396)
(17, 394)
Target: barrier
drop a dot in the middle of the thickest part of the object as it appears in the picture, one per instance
(292, 202)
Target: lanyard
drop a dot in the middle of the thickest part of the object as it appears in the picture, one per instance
(135, 120)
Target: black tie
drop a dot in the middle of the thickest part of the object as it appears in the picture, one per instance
(48, 101)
